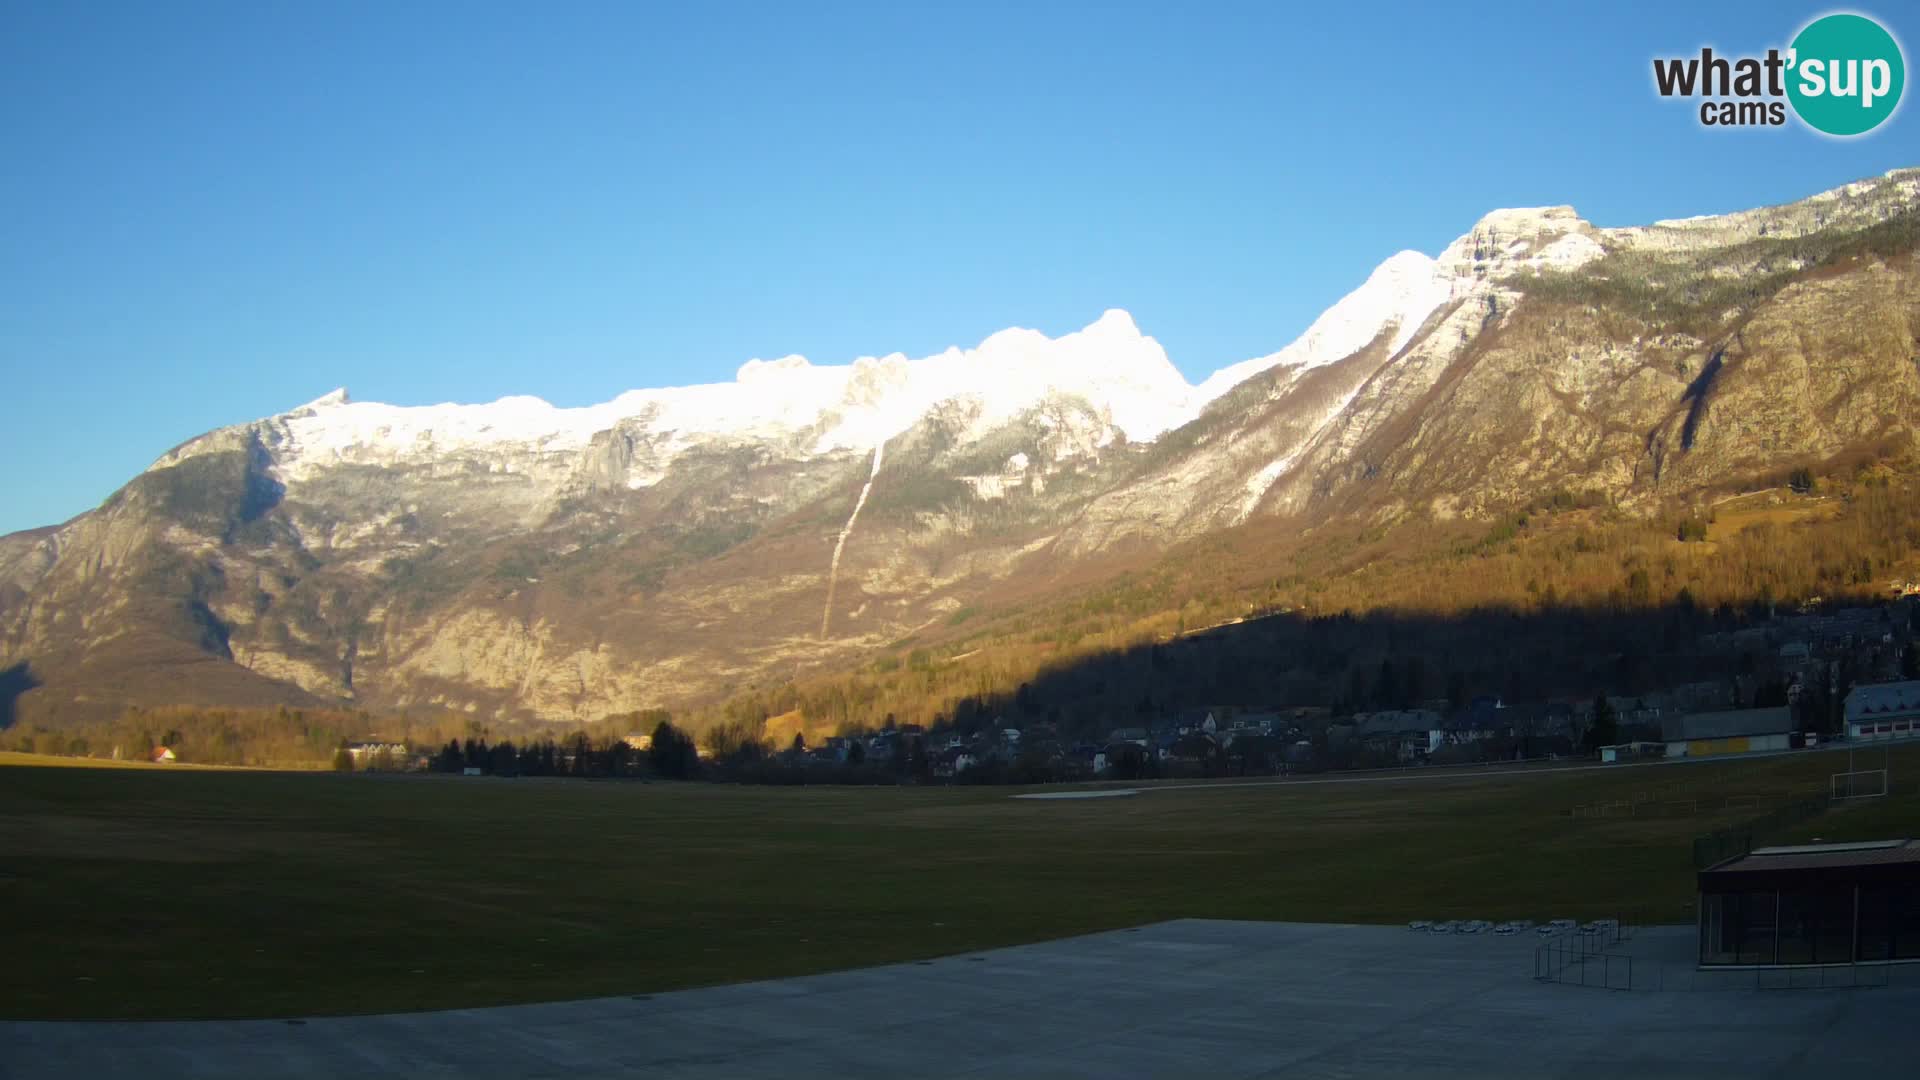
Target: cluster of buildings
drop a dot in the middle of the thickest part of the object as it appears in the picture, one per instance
(1237, 739)
(1258, 739)
(1781, 661)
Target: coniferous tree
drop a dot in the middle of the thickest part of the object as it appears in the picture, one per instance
(672, 754)
(1605, 729)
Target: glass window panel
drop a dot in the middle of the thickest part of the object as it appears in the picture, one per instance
(1756, 928)
(1719, 928)
(1906, 922)
(1799, 924)
(1833, 926)
(1876, 923)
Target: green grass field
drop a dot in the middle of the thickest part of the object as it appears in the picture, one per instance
(156, 893)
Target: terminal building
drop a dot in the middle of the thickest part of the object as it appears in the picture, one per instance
(1812, 904)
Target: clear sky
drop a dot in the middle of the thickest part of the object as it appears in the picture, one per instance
(211, 212)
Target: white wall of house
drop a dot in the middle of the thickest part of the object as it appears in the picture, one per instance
(1899, 727)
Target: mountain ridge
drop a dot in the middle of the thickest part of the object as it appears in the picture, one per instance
(514, 559)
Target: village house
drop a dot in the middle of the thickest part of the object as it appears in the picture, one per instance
(1266, 723)
(367, 750)
(1628, 751)
(1645, 715)
(1402, 734)
(1484, 718)
(1193, 748)
(1560, 720)
(1163, 745)
(1883, 710)
(1083, 754)
(951, 763)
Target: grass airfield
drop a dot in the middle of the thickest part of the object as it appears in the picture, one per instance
(167, 893)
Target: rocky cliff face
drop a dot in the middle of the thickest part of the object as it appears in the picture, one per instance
(517, 559)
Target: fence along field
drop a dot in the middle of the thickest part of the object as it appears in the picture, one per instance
(1691, 795)
(154, 893)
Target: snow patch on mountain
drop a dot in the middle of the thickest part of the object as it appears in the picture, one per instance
(1256, 487)
(1401, 292)
(1521, 238)
(1122, 374)
(840, 545)
(1259, 483)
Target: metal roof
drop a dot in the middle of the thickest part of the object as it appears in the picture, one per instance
(1729, 724)
(1874, 699)
(1819, 857)
(1810, 849)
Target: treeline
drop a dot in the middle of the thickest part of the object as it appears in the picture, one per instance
(577, 755)
(734, 747)
(270, 738)
(280, 737)
(736, 753)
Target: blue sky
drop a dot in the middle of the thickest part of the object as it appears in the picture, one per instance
(211, 212)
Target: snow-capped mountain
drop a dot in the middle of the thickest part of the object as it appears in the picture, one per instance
(809, 408)
(518, 559)
(1123, 376)
(1400, 293)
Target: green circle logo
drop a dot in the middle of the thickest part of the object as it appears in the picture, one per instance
(1846, 74)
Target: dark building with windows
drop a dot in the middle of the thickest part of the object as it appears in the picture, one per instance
(1813, 904)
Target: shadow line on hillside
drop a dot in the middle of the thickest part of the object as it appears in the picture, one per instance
(14, 682)
(1690, 658)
